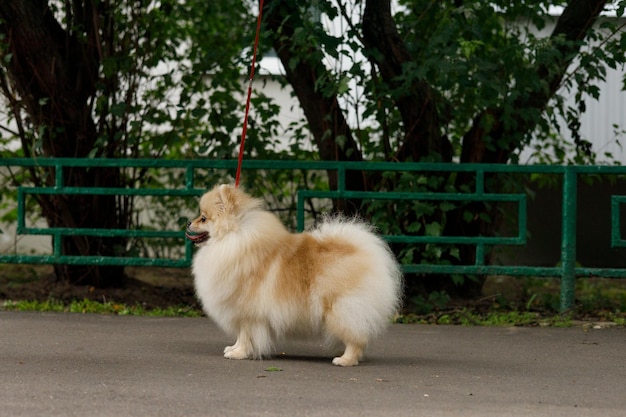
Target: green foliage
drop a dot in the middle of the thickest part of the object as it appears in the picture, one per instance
(428, 218)
(436, 301)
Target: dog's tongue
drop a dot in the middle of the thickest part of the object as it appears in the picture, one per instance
(196, 237)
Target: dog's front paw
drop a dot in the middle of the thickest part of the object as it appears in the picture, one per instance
(230, 348)
(235, 353)
(345, 361)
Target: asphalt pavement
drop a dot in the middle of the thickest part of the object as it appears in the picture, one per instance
(98, 365)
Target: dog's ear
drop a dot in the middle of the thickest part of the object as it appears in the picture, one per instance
(227, 198)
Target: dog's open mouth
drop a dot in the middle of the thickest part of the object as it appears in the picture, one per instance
(196, 237)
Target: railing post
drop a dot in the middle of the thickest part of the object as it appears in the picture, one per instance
(568, 240)
(300, 212)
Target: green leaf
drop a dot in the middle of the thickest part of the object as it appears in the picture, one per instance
(343, 86)
(118, 109)
(446, 206)
(414, 227)
(433, 229)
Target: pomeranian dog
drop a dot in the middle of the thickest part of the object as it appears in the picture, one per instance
(261, 284)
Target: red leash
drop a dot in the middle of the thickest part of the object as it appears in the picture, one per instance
(245, 117)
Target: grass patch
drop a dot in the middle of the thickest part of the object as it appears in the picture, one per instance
(89, 306)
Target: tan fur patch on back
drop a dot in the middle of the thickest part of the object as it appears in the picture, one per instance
(306, 267)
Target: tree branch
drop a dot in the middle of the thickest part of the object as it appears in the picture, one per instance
(570, 30)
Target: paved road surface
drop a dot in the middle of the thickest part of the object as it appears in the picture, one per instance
(92, 365)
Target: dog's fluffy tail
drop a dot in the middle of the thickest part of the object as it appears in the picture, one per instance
(380, 292)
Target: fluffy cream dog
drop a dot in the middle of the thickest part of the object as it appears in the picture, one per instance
(261, 283)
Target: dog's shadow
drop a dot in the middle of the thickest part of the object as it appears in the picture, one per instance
(291, 357)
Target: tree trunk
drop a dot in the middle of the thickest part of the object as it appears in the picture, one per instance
(417, 106)
(54, 72)
(331, 132)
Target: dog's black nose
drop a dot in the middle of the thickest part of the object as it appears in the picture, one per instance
(188, 224)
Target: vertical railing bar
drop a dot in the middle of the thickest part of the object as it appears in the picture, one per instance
(188, 251)
(57, 247)
(616, 235)
(568, 240)
(480, 254)
(189, 184)
(480, 181)
(480, 189)
(300, 212)
(522, 213)
(189, 177)
(341, 178)
(21, 211)
(57, 238)
(58, 175)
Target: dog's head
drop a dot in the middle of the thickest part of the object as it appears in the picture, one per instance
(221, 210)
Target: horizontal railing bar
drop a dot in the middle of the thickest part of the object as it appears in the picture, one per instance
(69, 231)
(391, 195)
(94, 260)
(413, 268)
(75, 231)
(394, 195)
(308, 165)
(601, 272)
(532, 271)
(114, 191)
(457, 240)
(483, 270)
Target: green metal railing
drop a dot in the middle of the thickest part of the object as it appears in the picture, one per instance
(566, 270)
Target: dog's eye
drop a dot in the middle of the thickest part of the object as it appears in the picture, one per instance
(202, 219)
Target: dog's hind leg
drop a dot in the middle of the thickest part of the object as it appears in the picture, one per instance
(340, 329)
(351, 356)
